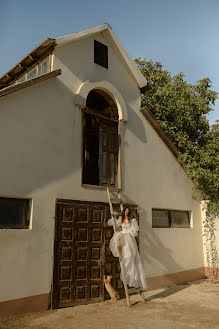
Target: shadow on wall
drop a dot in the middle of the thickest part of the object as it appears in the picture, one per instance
(82, 69)
(135, 125)
(40, 138)
(154, 246)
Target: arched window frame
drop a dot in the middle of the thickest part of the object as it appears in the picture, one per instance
(80, 101)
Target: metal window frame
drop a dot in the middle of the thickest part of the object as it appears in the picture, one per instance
(182, 211)
(37, 63)
(170, 218)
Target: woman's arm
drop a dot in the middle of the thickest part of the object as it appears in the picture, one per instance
(118, 221)
(133, 230)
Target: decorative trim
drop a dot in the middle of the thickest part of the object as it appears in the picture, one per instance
(95, 113)
(100, 187)
(87, 86)
(24, 305)
(31, 82)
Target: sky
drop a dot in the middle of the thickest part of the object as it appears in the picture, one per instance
(181, 34)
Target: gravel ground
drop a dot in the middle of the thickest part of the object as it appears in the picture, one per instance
(193, 305)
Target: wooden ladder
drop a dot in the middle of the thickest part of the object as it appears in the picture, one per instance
(127, 291)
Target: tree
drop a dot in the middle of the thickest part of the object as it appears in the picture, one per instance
(181, 110)
(203, 168)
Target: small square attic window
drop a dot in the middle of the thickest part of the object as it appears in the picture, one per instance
(100, 54)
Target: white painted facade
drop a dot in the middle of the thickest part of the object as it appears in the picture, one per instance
(41, 138)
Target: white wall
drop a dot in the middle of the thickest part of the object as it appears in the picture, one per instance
(40, 134)
(155, 180)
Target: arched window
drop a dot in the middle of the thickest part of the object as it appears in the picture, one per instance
(100, 140)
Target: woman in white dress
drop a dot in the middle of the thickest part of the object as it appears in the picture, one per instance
(124, 246)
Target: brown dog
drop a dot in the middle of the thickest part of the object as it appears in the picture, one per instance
(112, 292)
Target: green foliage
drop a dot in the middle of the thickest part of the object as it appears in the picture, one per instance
(181, 110)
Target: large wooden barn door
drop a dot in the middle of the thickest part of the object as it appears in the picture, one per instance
(81, 254)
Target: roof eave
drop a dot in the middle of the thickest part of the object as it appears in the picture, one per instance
(141, 81)
(49, 43)
(81, 34)
(26, 62)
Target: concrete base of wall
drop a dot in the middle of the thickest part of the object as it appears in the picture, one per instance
(40, 302)
(24, 305)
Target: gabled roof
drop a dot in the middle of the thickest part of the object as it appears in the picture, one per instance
(140, 79)
(45, 47)
(49, 44)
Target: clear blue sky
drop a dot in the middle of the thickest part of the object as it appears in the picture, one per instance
(182, 34)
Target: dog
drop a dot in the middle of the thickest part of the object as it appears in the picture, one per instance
(112, 292)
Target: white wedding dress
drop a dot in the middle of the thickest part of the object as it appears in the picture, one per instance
(133, 272)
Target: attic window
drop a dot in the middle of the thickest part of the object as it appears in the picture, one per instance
(41, 67)
(100, 54)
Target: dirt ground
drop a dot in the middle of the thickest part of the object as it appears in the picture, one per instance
(193, 305)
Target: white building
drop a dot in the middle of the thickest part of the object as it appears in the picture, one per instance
(70, 125)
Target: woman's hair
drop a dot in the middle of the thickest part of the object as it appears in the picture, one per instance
(123, 214)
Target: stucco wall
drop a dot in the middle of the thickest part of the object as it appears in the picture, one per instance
(76, 61)
(160, 182)
(40, 134)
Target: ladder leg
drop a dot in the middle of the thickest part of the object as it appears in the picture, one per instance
(125, 286)
(142, 296)
(127, 294)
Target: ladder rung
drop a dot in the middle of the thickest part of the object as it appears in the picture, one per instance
(117, 201)
(134, 291)
(131, 290)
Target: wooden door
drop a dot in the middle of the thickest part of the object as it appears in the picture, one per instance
(81, 253)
